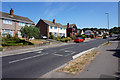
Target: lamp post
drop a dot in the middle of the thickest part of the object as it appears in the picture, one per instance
(108, 24)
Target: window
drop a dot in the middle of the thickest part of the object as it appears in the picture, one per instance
(29, 24)
(7, 31)
(60, 28)
(61, 34)
(6, 21)
(51, 27)
(21, 24)
(19, 34)
(55, 27)
(55, 34)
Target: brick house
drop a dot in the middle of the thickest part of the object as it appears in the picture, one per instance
(11, 24)
(51, 27)
(71, 29)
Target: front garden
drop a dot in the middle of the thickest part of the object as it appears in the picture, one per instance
(14, 41)
(66, 39)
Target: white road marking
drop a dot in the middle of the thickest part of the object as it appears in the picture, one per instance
(23, 52)
(27, 58)
(65, 48)
(58, 54)
(39, 52)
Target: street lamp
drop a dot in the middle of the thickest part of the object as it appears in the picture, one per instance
(108, 24)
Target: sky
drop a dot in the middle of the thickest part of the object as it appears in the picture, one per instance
(83, 14)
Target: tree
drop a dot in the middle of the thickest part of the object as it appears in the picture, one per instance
(115, 30)
(29, 32)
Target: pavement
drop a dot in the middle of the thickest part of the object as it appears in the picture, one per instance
(105, 65)
(37, 63)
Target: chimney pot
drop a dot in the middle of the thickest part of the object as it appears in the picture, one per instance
(67, 24)
(11, 12)
(53, 20)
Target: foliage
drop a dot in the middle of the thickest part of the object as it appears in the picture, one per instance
(68, 38)
(29, 32)
(79, 35)
(84, 36)
(115, 30)
(52, 37)
(73, 37)
(14, 41)
(63, 39)
(8, 36)
(58, 38)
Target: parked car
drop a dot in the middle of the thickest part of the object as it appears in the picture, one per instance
(43, 37)
(78, 39)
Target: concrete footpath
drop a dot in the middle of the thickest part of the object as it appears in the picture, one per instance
(105, 65)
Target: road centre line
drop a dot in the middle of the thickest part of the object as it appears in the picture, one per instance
(27, 58)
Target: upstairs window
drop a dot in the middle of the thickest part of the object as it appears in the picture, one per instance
(60, 28)
(51, 27)
(6, 21)
(29, 24)
(21, 24)
(55, 27)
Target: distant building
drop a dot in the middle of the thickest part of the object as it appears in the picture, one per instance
(11, 24)
(71, 29)
(89, 33)
(51, 27)
(79, 31)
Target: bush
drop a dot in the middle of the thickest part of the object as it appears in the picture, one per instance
(8, 36)
(79, 35)
(52, 37)
(63, 39)
(12, 44)
(58, 38)
(84, 36)
(73, 37)
(68, 38)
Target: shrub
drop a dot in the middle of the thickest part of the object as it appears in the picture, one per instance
(12, 44)
(79, 35)
(8, 36)
(84, 36)
(63, 39)
(52, 37)
(73, 37)
(58, 38)
(68, 38)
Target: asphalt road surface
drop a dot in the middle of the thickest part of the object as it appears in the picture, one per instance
(37, 63)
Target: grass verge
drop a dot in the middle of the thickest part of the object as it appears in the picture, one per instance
(78, 64)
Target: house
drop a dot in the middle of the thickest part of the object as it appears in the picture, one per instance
(89, 33)
(71, 29)
(11, 24)
(79, 31)
(48, 28)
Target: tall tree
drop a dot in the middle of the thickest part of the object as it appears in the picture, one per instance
(29, 32)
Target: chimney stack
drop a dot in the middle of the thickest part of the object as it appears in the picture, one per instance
(53, 20)
(11, 12)
(67, 24)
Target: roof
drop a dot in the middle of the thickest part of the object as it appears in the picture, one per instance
(50, 23)
(71, 25)
(15, 17)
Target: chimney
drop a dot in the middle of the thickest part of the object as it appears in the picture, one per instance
(11, 12)
(53, 20)
(67, 24)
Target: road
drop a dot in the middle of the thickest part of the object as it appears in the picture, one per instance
(37, 63)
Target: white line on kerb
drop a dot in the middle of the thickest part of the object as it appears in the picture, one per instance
(27, 58)
(79, 54)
